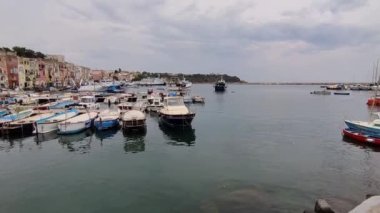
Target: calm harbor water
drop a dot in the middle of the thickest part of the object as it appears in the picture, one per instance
(250, 149)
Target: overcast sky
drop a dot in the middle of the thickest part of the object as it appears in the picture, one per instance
(257, 40)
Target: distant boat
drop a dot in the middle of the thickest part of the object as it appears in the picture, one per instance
(51, 124)
(198, 99)
(175, 113)
(336, 87)
(323, 92)
(133, 120)
(220, 85)
(341, 93)
(77, 124)
(107, 119)
(88, 102)
(91, 87)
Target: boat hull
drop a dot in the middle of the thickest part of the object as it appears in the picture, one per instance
(220, 88)
(357, 127)
(361, 138)
(373, 102)
(106, 124)
(177, 120)
(47, 127)
(66, 128)
(18, 129)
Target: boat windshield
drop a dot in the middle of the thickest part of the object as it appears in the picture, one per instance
(87, 100)
(175, 102)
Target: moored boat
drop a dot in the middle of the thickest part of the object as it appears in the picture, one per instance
(24, 126)
(133, 120)
(16, 116)
(175, 113)
(198, 99)
(341, 93)
(51, 124)
(77, 124)
(107, 119)
(360, 137)
(322, 92)
(371, 128)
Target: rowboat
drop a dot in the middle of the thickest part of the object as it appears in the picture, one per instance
(15, 116)
(107, 119)
(24, 126)
(360, 137)
(371, 128)
(51, 124)
(77, 124)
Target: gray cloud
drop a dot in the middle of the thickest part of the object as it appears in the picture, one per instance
(343, 5)
(245, 38)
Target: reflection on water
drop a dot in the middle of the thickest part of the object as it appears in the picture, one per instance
(179, 136)
(134, 141)
(45, 137)
(106, 134)
(80, 142)
(366, 146)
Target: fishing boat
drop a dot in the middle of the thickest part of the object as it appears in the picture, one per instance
(371, 128)
(220, 85)
(77, 124)
(16, 116)
(107, 119)
(360, 137)
(175, 113)
(51, 124)
(133, 120)
(24, 126)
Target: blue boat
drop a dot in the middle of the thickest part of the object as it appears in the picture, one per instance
(107, 120)
(371, 128)
(114, 89)
(16, 116)
(3, 112)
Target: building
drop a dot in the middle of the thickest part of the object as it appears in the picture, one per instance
(9, 69)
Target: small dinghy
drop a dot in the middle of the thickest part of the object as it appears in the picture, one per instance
(107, 119)
(77, 124)
(134, 120)
(360, 137)
(51, 124)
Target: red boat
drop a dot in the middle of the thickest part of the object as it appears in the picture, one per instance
(359, 137)
(374, 101)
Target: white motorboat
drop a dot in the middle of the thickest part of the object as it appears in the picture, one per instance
(175, 113)
(133, 120)
(88, 102)
(91, 87)
(77, 124)
(51, 124)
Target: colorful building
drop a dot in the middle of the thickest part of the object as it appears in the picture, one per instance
(9, 69)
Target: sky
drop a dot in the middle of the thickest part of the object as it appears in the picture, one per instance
(257, 40)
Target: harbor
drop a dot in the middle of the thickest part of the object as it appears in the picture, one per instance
(243, 152)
